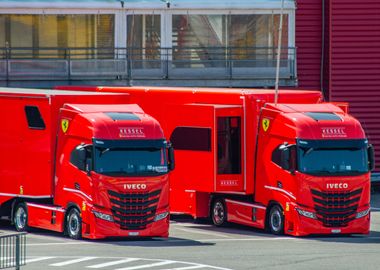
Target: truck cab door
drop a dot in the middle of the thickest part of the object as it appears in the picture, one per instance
(272, 180)
(229, 145)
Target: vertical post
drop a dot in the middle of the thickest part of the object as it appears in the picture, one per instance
(278, 53)
(230, 62)
(18, 252)
(68, 52)
(7, 65)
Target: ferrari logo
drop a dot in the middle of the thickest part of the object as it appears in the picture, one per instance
(64, 125)
(266, 123)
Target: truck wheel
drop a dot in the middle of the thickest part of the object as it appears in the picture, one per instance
(74, 224)
(20, 218)
(219, 213)
(276, 220)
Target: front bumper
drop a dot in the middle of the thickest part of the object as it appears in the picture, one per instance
(298, 225)
(96, 228)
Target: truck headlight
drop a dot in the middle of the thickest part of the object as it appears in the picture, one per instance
(103, 216)
(161, 216)
(363, 213)
(306, 213)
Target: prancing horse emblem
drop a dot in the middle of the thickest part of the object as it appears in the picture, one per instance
(65, 125)
(265, 123)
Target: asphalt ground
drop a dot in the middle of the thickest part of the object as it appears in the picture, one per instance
(199, 245)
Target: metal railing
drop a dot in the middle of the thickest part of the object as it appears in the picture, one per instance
(229, 63)
(12, 250)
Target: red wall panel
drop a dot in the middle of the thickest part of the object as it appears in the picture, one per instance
(352, 59)
(308, 43)
(355, 62)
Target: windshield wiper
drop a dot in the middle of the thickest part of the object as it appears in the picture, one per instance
(104, 151)
(308, 151)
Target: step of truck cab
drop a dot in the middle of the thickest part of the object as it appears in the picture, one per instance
(50, 217)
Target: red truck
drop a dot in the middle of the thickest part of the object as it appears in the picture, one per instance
(299, 167)
(83, 163)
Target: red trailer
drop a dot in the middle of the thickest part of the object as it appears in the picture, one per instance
(83, 163)
(299, 167)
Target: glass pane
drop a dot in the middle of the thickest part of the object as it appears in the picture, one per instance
(190, 138)
(48, 36)
(144, 40)
(229, 144)
(333, 157)
(2, 36)
(254, 39)
(131, 158)
(199, 40)
(105, 41)
(22, 31)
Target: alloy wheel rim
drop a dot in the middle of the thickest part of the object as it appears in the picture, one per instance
(218, 213)
(20, 218)
(74, 225)
(276, 221)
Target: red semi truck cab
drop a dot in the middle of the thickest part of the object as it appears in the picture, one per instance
(93, 168)
(113, 164)
(313, 167)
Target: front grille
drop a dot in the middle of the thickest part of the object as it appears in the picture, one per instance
(134, 211)
(336, 208)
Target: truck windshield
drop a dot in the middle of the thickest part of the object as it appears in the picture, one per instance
(130, 157)
(332, 157)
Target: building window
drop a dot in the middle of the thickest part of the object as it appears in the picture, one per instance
(217, 37)
(144, 40)
(229, 145)
(191, 138)
(36, 33)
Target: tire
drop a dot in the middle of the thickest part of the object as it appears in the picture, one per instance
(218, 213)
(276, 220)
(74, 224)
(20, 218)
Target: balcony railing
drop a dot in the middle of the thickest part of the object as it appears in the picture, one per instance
(177, 63)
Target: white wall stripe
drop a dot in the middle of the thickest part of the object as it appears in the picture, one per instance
(281, 190)
(79, 192)
(25, 196)
(73, 261)
(147, 265)
(46, 207)
(113, 263)
(247, 204)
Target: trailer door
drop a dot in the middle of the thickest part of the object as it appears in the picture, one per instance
(229, 145)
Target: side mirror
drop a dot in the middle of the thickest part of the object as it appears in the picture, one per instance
(171, 164)
(288, 157)
(285, 158)
(371, 158)
(81, 158)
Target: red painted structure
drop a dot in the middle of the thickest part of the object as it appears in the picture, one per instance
(350, 40)
(58, 165)
(242, 159)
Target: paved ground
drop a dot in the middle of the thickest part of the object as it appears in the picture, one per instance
(198, 245)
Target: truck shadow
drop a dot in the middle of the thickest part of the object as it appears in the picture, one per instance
(50, 236)
(152, 242)
(245, 233)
